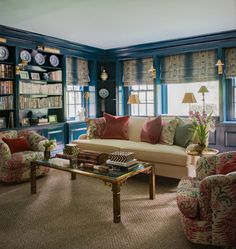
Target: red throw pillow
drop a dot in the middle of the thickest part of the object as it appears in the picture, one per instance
(151, 130)
(17, 144)
(230, 166)
(116, 127)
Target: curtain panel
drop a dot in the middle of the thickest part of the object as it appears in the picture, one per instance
(230, 62)
(189, 67)
(137, 72)
(77, 71)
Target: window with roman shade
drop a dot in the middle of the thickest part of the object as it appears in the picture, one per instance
(230, 74)
(189, 67)
(230, 62)
(138, 77)
(77, 71)
(187, 72)
(77, 78)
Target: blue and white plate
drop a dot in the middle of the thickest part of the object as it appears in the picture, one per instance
(4, 53)
(25, 56)
(39, 58)
(54, 61)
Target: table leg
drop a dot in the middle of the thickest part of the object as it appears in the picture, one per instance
(33, 178)
(73, 175)
(152, 185)
(116, 202)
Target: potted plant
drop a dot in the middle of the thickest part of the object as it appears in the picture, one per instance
(202, 125)
(49, 146)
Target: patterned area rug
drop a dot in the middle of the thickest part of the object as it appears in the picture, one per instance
(78, 214)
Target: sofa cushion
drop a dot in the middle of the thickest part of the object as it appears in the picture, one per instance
(151, 130)
(184, 134)
(162, 153)
(168, 132)
(116, 127)
(102, 145)
(135, 127)
(228, 167)
(96, 127)
(17, 144)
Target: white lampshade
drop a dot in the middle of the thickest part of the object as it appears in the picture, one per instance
(133, 99)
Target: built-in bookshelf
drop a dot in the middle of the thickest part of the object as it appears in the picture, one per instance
(7, 86)
(40, 87)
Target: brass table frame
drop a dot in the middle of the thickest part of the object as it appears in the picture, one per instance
(115, 181)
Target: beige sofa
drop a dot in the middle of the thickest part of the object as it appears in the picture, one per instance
(169, 160)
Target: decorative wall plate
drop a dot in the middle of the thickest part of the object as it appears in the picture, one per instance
(103, 93)
(54, 61)
(39, 58)
(4, 53)
(25, 56)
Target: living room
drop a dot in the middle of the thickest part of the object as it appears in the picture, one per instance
(117, 124)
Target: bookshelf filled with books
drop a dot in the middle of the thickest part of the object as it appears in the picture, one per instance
(7, 86)
(41, 88)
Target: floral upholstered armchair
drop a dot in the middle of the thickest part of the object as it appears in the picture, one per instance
(208, 202)
(15, 167)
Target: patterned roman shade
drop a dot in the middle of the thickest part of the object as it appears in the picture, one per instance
(189, 67)
(230, 62)
(137, 72)
(77, 72)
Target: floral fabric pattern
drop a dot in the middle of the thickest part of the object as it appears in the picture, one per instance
(96, 128)
(16, 167)
(214, 196)
(168, 132)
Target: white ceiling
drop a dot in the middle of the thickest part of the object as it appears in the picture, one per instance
(112, 23)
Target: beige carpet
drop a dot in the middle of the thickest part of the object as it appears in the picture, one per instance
(78, 214)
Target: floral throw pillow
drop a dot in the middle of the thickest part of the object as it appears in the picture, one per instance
(96, 128)
(168, 132)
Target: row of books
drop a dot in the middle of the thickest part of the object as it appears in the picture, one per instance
(6, 102)
(34, 103)
(30, 88)
(6, 87)
(6, 71)
(55, 75)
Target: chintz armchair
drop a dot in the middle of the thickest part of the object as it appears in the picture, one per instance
(207, 203)
(15, 167)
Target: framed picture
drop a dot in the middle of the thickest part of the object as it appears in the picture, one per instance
(52, 119)
(3, 122)
(25, 122)
(24, 75)
(35, 76)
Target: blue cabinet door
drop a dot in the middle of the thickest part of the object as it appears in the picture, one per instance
(76, 129)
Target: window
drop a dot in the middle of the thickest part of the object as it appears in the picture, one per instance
(146, 96)
(74, 105)
(176, 93)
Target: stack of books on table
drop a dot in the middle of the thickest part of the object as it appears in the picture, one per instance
(123, 161)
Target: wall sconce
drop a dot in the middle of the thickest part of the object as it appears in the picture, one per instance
(189, 98)
(104, 74)
(3, 40)
(152, 71)
(220, 65)
(203, 90)
(21, 66)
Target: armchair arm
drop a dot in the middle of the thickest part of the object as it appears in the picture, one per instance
(217, 192)
(37, 141)
(187, 197)
(5, 153)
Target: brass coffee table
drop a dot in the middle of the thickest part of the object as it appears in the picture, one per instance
(113, 178)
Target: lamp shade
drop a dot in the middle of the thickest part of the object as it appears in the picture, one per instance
(203, 89)
(133, 99)
(189, 98)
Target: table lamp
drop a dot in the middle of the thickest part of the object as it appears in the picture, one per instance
(133, 99)
(203, 90)
(189, 99)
